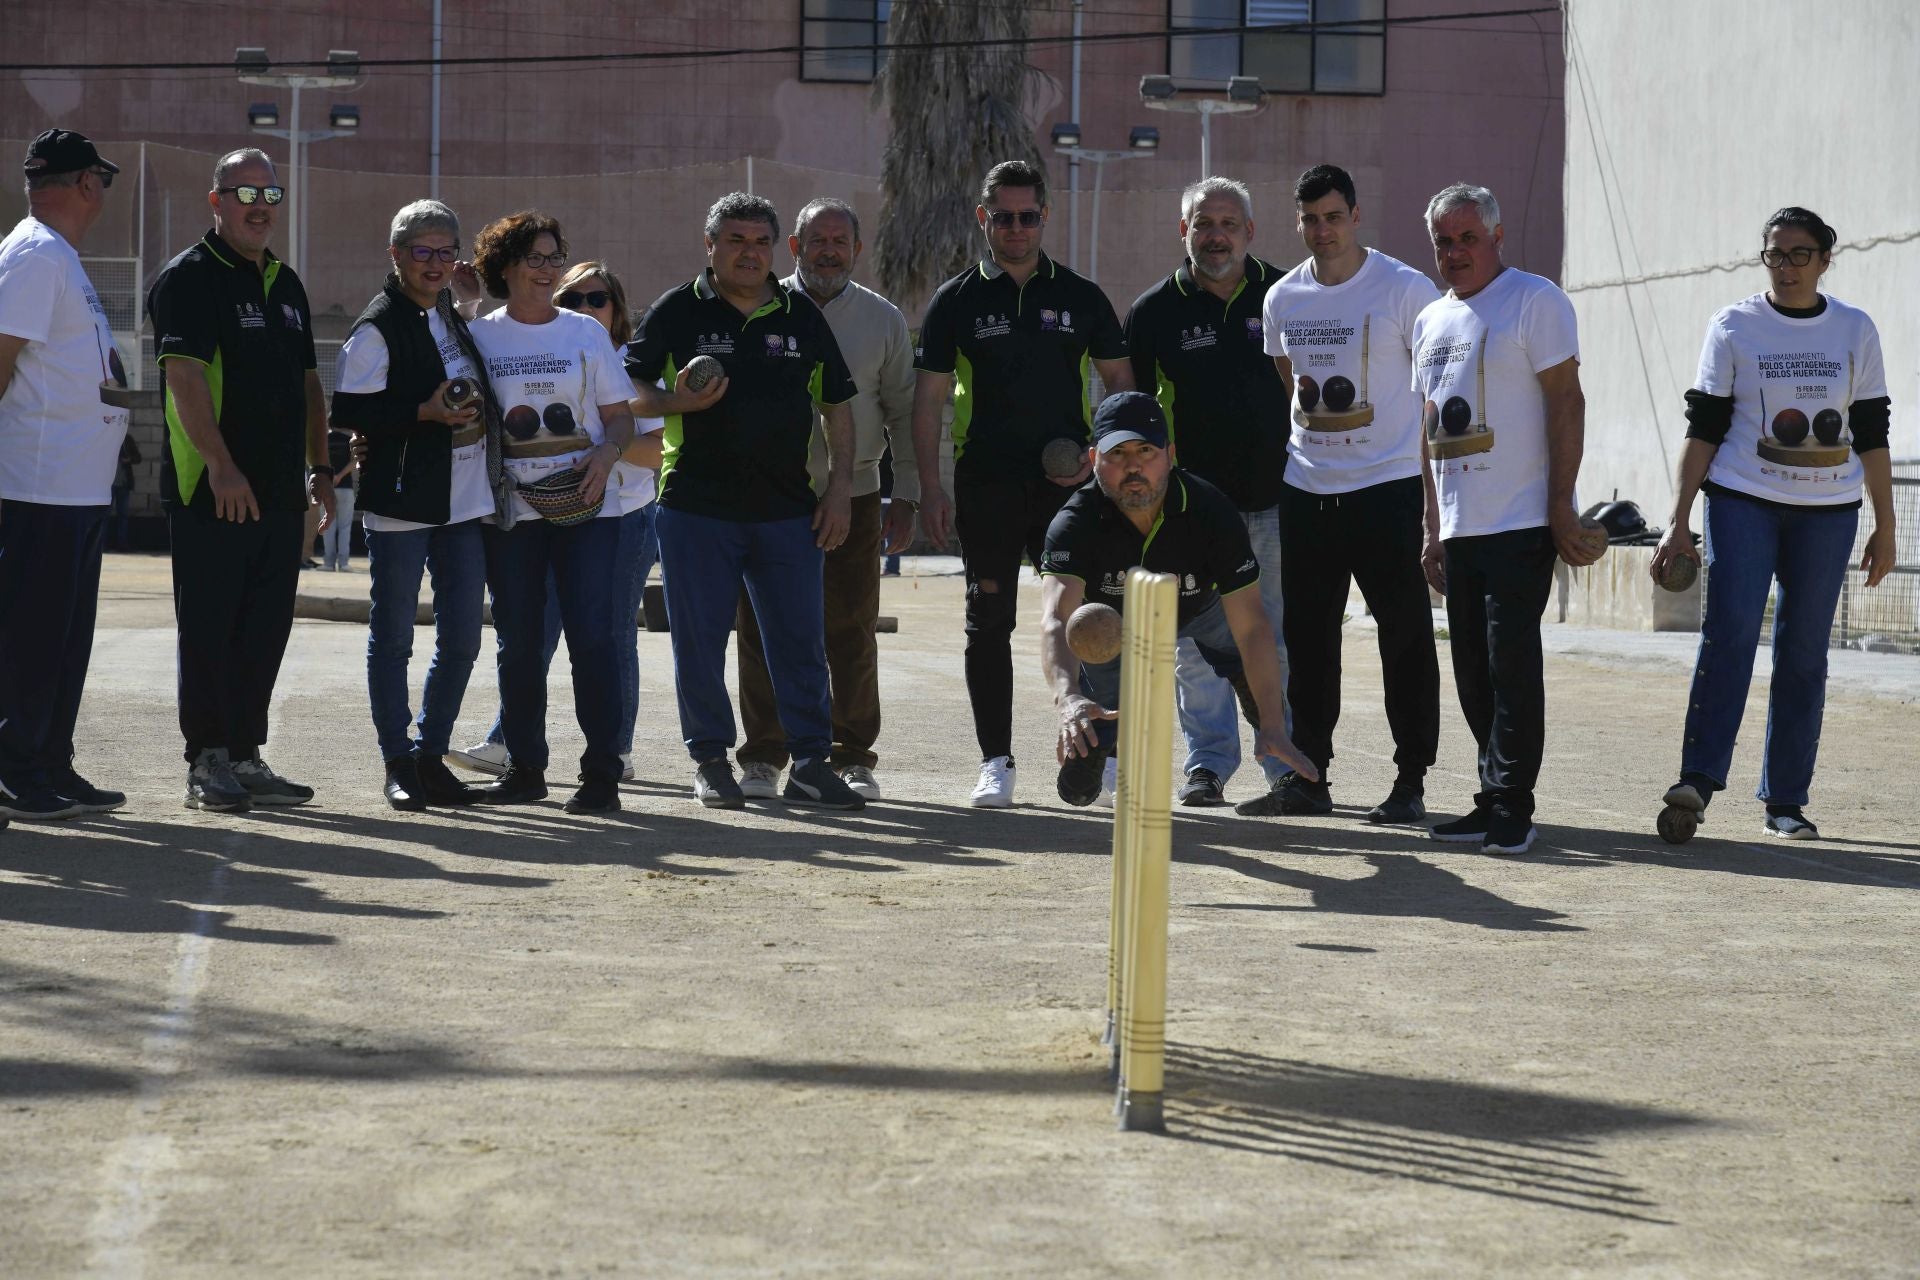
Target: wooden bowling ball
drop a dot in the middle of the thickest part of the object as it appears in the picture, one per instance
(1309, 393)
(460, 393)
(1339, 394)
(701, 370)
(1790, 427)
(1063, 458)
(522, 422)
(1679, 574)
(1456, 415)
(559, 419)
(1677, 825)
(1826, 426)
(1593, 534)
(1094, 633)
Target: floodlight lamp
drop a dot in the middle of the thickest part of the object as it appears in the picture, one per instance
(1244, 89)
(1066, 135)
(1156, 88)
(263, 115)
(343, 62)
(344, 116)
(1144, 137)
(250, 61)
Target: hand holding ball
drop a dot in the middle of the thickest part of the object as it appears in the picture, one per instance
(1593, 535)
(1678, 573)
(702, 370)
(1062, 459)
(460, 393)
(1093, 633)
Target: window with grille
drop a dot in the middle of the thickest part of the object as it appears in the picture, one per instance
(843, 39)
(1346, 53)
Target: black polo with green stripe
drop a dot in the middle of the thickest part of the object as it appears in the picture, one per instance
(1018, 355)
(252, 329)
(745, 458)
(1204, 360)
(1198, 536)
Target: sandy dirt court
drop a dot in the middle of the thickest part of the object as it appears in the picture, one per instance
(343, 1041)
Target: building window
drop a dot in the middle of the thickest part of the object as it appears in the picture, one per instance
(1350, 58)
(843, 39)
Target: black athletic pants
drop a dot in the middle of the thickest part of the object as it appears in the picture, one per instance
(1497, 590)
(49, 587)
(999, 519)
(233, 589)
(1371, 537)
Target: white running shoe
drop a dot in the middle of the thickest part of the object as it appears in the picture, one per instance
(995, 788)
(759, 781)
(1109, 784)
(861, 781)
(626, 767)
(489, 758)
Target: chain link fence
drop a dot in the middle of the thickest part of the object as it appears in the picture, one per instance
(1886, 618)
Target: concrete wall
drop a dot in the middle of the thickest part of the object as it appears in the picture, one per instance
(1687, 126)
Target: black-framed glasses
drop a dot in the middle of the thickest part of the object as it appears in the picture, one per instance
(252, 195)
(572, 298)
(427, 253)
(1799, 257)
(544, 259)
(1028, 218)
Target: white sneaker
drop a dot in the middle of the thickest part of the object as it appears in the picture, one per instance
(860, 781)
(1109, 783)
(995, 788)
(489, 758)
(626, 767)
(759, 781)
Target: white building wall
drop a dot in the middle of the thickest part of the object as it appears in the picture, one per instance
(1688, 123)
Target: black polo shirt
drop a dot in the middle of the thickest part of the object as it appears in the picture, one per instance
(1198, 536)
(252, 329)
(1018, 355)
(1204, 360)
(746, 457)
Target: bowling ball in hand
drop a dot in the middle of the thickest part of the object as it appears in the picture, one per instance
(1790, 427)
(559, 419)
(1339, 394)
(522, 422)
(1063, 458)
(1826, 426)
(1309, 394)
(1456, 415)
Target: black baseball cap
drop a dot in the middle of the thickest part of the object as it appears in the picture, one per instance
(63, 151)
(1129, 415)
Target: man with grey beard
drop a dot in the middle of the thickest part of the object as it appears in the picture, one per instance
(1140, 510)
(878, 349)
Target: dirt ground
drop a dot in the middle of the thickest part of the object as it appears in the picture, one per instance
(342, 1041)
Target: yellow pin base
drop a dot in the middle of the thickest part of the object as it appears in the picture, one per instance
(1445, 446)
(1361, 415)
(1804, 455)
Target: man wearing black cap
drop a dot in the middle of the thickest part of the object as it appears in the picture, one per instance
(1142, 510)
(63, 416)
(247, 445)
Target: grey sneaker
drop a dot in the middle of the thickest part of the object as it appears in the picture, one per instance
(812, 783)
(211, 784)
(264, 786)
(860, 781)
(759, 781)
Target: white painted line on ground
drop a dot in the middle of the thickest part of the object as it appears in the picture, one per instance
(1828, 867)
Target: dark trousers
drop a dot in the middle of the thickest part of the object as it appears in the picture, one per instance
(851, 582)
(49, 588)
(233, 588)
(1371, 537)
(999, 519)
(1497, 589)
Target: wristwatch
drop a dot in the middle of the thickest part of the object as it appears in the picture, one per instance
(318, 468)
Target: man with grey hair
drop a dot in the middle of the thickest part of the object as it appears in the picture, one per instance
(738, 506)
(874, 341)
(246, 455)
(63, 416)
(1195, 342)
(1496, 364)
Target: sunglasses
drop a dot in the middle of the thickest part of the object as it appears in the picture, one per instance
(545, 259)
(106, 178)
(251, 194)
(1007, 217)
(1799, 257)
(426, 253)
(572, 299)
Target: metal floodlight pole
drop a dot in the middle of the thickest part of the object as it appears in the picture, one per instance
(1243, 97)
(1098, 158)
(254, 68)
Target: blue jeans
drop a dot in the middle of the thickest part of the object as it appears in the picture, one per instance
(1209, 719)
(1750, 545)
(579, 558)
(1213, 645)
(336, 544)
(396, 561)
(639, 548)
(705, 561)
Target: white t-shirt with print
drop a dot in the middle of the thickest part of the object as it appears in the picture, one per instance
(1476, 367)
(362, 370)
(59, 443)
(1791, 381)
(550, 380)
(638, 485)
(1360, 330)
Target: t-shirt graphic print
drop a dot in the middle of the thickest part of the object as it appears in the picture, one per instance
(1456, 423)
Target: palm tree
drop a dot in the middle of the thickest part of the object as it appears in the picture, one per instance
(953, 113)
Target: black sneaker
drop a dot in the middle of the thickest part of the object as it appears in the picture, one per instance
(30, 799)
(1507, 833)
(598, 793)
(212, 786)
(714, 786)
(1471, 829)
(1789, 823)
(438, 785)
(1404, 804)
(814, 783)
(1291, 795)
(264, 786)
(90, 798)
(519, 785)
(402, 787)
(1202, 787)
(1081, 777)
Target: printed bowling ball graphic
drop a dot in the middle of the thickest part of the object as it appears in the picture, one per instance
(1790, 427)
(522, 422)
(1826, 426)
(1309, 393)
(1456, 415)
(1430, 419)
(559, 419)
(1339, 394)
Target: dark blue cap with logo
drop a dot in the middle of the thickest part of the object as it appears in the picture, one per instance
(1129, 415)
(63, 151)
